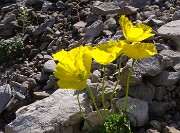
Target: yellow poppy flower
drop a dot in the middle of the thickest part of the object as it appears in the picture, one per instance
(135, 33)
(106, 53)
(74, 69)
(138, 50)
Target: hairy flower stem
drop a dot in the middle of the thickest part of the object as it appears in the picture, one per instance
(127, 86)
(117, 81)
(80, 108)
(103, 83)
(94, 103)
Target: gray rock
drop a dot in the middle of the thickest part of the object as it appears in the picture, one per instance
(152, 131)
(50, 83)
(155, 124)
(5, 96)
(41, 77)
(136, 77)
(32, 2)
(105, 8)
(94, 119)
(49, 66)
(31, 84)
(61, 5)
(166, 78)
(59, 113)
(21, 78)
(108, 32)
(138, 114)
(157, 22)
(160, 46)
(144, 91)
(176, 15)
(40, 29)
(128, 10)
(92, 18)
(138, 3)
(95, 76)
(150, 66)
(95, 29)
(79, 25)
(171, 31)
(9, 17)
(173, 57)
(110, 24)
(158, 108)
(171, 130)
(46, 6)
(97, 90)
(159, 93)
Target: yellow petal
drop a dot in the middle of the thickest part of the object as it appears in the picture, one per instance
(73, 70)
(106, 53)
(135, 33)
(139, 50)
(126, 25)
(60, 55)
(146, 31)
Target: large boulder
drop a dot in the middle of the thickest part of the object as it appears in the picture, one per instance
(59, 113)
(171, 31)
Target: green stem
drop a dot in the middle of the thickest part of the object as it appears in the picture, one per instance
(94, 103)
(103, 83)
(82, 114)
(118, 79)
(127, 85)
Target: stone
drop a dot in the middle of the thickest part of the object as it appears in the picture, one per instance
(33, 2)
(31, 82)
(50, 83)
(171, 31)
(41, 77)
(157, 22)
(110, 24)
(95, 29)
(97, 90)
(150, 66)
(156, 125)
(158, 108)
(171, 130)
(58, 113)
(5, 96)
(105, 8)
(79, 25)
(152, 131)
(165, 78)
(49, 66)
(176, 15)
(137, 3)
(92, 18)
(128, 10)
(9, 17)
(173, 57)
(138, 115)
(46, 6)
(144, 91)
(94, 119)
(40, 29)
(61, 5)
(95, 76)
(21, 78)
(159, 93)
(39, 95)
